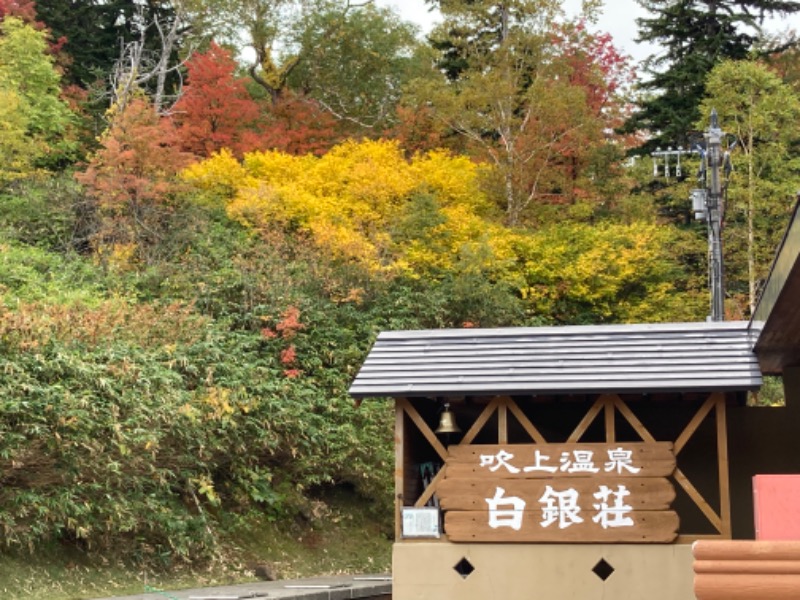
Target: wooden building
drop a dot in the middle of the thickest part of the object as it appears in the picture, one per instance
(769, 567)
(587, 460)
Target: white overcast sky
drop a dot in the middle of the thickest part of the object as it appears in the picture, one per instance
(618, 18)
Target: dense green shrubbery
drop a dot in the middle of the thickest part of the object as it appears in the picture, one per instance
(124, 444)
(112, 440)
(139, 405)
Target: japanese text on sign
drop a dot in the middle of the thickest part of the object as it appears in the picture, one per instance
(561, 507)
(619, 461)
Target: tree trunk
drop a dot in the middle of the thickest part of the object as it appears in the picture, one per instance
(513, 210)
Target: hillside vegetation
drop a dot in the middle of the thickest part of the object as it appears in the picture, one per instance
(193, 267)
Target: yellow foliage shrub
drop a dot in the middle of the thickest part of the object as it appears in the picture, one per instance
(453, 179)
(364, 203)
(350, 199)
(276, 166)
(221, 173)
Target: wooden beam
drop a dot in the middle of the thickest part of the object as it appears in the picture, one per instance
(423, 428)
(430, 490)
(480, 422)
(781, 553)
(698, 418)
(529, 427)
(698, 499)
(746, 570)
(610, 413)
(724, 477)
(586, 421)
(633, 420)
(399, 468)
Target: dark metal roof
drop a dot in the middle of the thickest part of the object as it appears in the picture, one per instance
(778, 344)
(673, 357)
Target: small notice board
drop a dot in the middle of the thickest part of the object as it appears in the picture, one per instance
(421, 523)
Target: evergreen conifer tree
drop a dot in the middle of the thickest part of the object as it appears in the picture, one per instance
(695, 36)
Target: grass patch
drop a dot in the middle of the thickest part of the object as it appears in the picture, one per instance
(337, 533)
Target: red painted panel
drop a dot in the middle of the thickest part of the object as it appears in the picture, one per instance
(776, 503)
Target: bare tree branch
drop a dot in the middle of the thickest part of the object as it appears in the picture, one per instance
(137, 66)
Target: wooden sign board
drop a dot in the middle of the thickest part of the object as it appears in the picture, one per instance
(647, 527)
(614, 492)
(655, 493)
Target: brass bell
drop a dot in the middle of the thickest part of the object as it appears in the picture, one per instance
(447, 422)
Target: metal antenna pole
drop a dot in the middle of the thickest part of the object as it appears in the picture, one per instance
(714, 211)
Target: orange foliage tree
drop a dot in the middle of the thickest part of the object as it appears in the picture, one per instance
(531, 95)
(131, 180)
(216, 111)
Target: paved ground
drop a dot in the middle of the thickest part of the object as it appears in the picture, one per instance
(317, 588)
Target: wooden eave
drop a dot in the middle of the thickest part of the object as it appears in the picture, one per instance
(777, 316)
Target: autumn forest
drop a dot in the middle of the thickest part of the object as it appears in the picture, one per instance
(210, 208)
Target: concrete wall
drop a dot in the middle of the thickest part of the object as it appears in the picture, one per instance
(425, 571)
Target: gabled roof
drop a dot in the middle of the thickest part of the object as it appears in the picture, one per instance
(674, 357)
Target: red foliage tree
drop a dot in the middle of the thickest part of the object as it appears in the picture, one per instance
(25, 11)
(215, 110)
(22, 9)
(417, 129)
(299, 125)
(579, 119)
(597, 66)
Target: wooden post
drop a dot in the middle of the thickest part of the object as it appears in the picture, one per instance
(423, 427)
(698, 499)
(399, 468)
(722, 520)
(724, 478)
(502, 422)
(611, 432)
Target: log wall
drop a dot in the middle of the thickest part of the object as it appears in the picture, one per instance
(746, 570)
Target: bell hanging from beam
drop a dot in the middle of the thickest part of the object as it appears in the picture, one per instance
(447, 422)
